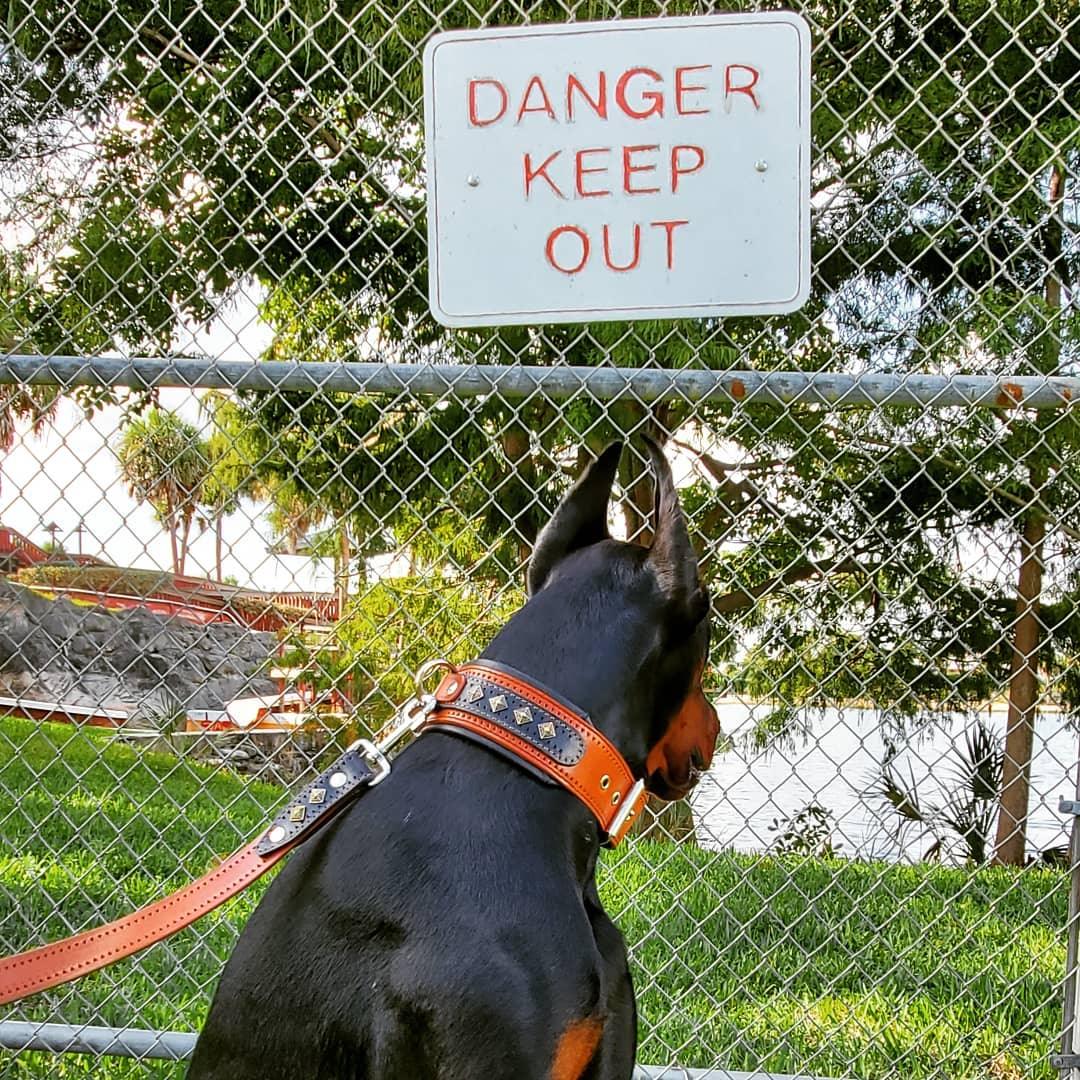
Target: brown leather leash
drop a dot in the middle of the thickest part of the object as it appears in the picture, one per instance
(482, 701)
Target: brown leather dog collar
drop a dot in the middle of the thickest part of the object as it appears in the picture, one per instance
(545, 733)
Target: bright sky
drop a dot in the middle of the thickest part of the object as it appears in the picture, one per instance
(71, 473)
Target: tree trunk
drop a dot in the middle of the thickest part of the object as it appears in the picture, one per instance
(637, 507)
(664, 822)
(637, 482)
(515, 445)
(1011, 839)
(218, 549)
(185, 536)
(343, 560)
(174, 547)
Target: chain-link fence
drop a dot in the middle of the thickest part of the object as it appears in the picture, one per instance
(249, 486)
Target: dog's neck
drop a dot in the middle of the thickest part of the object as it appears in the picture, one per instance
(592, 651)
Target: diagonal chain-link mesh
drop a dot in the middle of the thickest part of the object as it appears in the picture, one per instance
(214, 577)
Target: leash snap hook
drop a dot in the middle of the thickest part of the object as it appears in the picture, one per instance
(411, 716)
(376, 760)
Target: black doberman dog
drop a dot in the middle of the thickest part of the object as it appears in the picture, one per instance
(447, 924)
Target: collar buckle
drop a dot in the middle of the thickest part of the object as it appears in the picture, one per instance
(631, 807)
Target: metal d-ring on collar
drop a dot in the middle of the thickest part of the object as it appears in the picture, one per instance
(409, 720)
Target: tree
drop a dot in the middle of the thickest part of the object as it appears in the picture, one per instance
(231, 474)
(950, 202)
(32, 405)
(164, 462)
(287, 150)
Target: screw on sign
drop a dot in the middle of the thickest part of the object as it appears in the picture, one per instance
(617, 169)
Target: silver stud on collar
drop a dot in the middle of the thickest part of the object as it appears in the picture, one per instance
(546, 730)
(338, 779)
(523, 716)
(497, 702)
(277, 833)
(473, 694)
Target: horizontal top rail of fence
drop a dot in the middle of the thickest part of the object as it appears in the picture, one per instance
(558, 382)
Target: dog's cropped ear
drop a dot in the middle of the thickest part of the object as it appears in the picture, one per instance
(579, 520)
(672, 557)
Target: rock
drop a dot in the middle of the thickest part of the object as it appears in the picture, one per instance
(147, 664)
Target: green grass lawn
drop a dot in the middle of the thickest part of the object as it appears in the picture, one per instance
(794, 965)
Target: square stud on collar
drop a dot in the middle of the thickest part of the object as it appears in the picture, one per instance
(473, 694)
(546, 730)
(497, 702)
(523, 716)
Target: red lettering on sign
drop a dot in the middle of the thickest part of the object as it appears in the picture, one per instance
(545, 104)
(632, 264)
(629, 168)
(682, 88)
(657, 99)
(678, 169)
(474, 108)
(540, 172)
(549, 250)
(580, 172)
(670, 227)
(599, 103)
(747, 88)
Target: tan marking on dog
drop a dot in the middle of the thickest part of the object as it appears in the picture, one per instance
(694, 727)
(577, 1044)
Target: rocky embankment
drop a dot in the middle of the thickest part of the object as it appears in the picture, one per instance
(147, 664)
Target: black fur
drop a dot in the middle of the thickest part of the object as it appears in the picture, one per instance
(448, 924)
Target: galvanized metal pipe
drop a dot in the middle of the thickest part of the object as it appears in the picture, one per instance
(179, 1045)
(1070, 1031)
(100, 1041)
(556, 383)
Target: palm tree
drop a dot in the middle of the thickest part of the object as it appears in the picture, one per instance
(164, 461)
(962, 813)
(232, 473)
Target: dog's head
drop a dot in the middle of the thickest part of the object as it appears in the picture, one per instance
(650, 605)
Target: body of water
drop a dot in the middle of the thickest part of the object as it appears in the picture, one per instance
(746, 791)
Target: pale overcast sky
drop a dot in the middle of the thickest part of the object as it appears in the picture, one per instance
(71, 473)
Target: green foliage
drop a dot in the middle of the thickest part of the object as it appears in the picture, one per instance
(129, 581)
(391, 629)
(32, 405)
(952, 972)
(808, 833)
(164, 462)
(960, 815)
